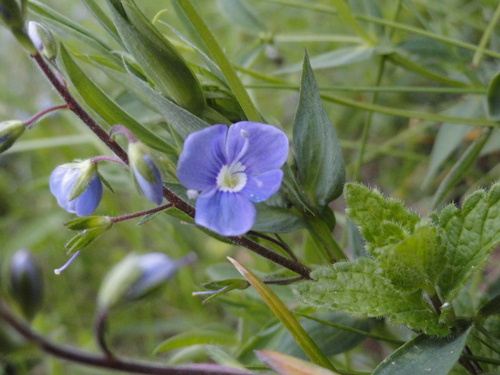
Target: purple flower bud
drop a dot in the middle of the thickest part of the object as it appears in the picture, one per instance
(77, 187)
(146, 175)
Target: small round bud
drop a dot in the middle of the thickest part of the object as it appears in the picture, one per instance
(146, 175)
(42, 39)
(26, 283)
(10, 131)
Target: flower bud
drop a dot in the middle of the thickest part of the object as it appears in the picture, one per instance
(42, 39)
(10, 131)
(12, 14)
(26, 283)
(77, 187)
(136, 276)
(92, 227)
(146, 175)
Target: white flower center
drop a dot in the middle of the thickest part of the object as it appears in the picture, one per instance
(231, 178)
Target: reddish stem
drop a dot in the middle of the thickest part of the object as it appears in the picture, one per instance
(40, 114)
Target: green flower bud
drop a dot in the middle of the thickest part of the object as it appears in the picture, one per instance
(12, 14)
(92, 227)
(26, 283)
(42, 39)
(137, 276)
(90, 222)
(10, 131)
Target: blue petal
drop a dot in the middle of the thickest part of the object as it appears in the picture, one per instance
(87, 202)
(261, 187)
(152, 191)
(267, 148)
(60, 182)
(228, 214)
(202, 158)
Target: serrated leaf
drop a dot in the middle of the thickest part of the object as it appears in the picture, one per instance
(414, 262)
(493, 98)
(425, 355)
(320, 165)
(468, 236)
(378, 217)
(106, 108)
(198, 337)
(359, 289)
(287, 365)
(241, 15)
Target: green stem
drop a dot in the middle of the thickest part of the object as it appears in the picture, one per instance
(222, 61)
(347, 16)
(462, 166)
(486, 37)
(322, 237)
(350, 329)
(284, 38)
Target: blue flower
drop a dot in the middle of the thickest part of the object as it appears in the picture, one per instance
(231, 168)
(77, 187)
(147, 177)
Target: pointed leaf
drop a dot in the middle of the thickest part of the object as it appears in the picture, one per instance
(198, 337)
(425, 355)
(493, 98)
(468, 236)
(318, 155)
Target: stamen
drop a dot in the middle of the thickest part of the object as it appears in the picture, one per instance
(244, 149)
(59, 270)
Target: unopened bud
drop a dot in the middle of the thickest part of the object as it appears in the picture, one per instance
(42, 39)
(146, 175)
(10, 131)
(26, 283)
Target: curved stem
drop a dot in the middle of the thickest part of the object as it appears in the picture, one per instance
(177, 202)
(89, 359)
(100, 331)
(276, 242)
(40, 114)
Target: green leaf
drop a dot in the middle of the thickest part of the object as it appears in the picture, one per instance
(359, 289)
(493, 98)
(286, 365)
(331, 340)
(415, 262)
(338, 57)
(492, 307)
(318, 156)
(181, 120)
(103, 19)
(198, 337)
(468, 236)
(158, 58)
(276, 220)
(370, 8)
(285, 316)
(381, 221)
(241, 15)
(106, 108)
(425, 355)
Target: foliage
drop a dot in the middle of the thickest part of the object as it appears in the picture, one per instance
(402, 95)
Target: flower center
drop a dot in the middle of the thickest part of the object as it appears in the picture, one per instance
(232, 178)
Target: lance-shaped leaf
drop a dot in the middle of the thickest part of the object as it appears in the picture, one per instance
(107, 109)
(359, 289)
(468, 236)
(425, 355)
(318, 155)
(158, 58)
(381, 221)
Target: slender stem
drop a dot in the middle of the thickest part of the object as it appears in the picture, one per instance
(141, 213)
(40, 114)
(350, 329)
(97, 159)
(347, 16)
(283, 281)
(124, 131)
(89, 359)
(486, 37)
(177, 202)
(482, 359)
(100, 331)
(276, 242)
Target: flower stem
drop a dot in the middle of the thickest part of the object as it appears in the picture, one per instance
(100, 330)
(97, 159)
(276, 242)
(99, 361)
(40, 114)
(141, 213)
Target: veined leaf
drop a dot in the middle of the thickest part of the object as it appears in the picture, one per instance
(468, 236)
(426, 355)
(318, 155)
(376, 216)
(359, 289)
(107, 109)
